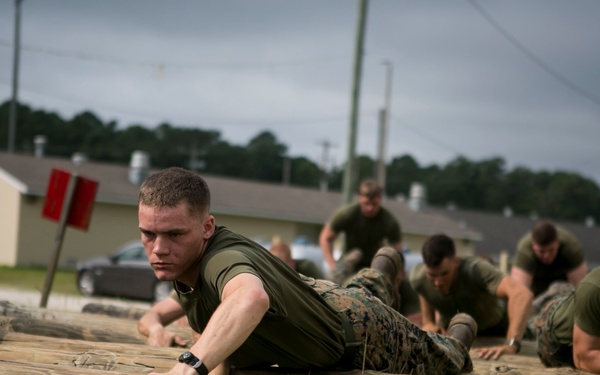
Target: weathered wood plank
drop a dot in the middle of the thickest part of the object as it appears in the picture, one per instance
(45, 353)
(113, 311)
(515, 365)
(71, 331)
(79, 326)
(12, 368)
(90, 359)
(33, 342)
(131, 358)
(117, 358)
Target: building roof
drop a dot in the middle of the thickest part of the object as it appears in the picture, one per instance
(502, 232)
(232, 196)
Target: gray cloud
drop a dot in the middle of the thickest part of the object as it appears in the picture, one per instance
(460, 87)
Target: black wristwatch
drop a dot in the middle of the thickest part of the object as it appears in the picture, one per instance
(190, 359)
(513, 342)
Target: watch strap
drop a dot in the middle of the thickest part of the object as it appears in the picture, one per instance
(200, 368)
(190, 359)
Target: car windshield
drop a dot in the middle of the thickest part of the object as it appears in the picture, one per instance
(132, 253)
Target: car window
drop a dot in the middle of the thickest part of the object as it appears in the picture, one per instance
(133, 253)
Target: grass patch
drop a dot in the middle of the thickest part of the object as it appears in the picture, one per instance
(33, 278)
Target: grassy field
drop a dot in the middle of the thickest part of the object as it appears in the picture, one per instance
(28, 278)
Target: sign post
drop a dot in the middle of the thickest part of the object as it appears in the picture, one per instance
(69, 200)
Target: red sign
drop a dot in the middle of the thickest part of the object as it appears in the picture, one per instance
(55, 194)
(82, 200)
(82, 204)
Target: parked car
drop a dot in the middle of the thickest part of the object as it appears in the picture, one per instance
(126, 273)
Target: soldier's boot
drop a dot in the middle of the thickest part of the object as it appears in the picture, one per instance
(389, 262)
(463, 328)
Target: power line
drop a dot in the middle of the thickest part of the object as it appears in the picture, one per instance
(429, 138)
(179, 65)
(85, 106)
(536, 60)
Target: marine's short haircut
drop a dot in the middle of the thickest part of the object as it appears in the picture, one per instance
(172, 186)
(370, 189)
(436, 249)
(544, 233)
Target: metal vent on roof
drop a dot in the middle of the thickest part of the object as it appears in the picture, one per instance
(590, 222)
(139, 167)
(418, 196)
(78, 158)
(39, 143)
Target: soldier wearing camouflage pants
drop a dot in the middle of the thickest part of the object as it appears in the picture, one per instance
(254, 311)
(383, 338)
(568, 327)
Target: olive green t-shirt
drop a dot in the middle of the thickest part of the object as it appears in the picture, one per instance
(409, 299)
(474, 293)
(570, 256)
(582, 308)
(299, 330)
(367, 234)
(308, 268)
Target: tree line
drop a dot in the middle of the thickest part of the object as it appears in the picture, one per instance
(485, 185)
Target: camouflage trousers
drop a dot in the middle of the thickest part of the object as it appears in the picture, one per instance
(385, 339)
(551, 352)
(555, 289)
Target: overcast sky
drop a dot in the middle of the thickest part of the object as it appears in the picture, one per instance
(514, 79)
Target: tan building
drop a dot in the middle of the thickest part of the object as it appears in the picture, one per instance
(257, 210)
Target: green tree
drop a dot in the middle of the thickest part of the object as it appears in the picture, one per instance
(225, 159)
(481, 185)
(489, 175)
(570, 196)
(400, 174)
(518, 190)
(184, 147)
(366, 170)
(468, 184)
(336, 177)
(264, 160)
(304, 173)
(135, 137)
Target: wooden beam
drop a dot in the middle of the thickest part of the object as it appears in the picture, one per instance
(77, 326)
(38, 341)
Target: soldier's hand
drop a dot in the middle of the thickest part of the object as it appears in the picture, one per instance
(495, 352)
(165, 338)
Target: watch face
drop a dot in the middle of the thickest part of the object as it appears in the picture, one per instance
(185, 356)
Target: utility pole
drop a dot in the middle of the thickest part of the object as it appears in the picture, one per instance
(350, 172)
(384, 120)
(12, 120)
